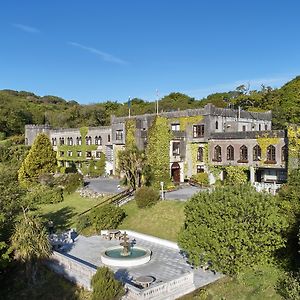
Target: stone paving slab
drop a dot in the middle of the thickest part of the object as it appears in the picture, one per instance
(183, 193)
(105, 185)
(166, 263)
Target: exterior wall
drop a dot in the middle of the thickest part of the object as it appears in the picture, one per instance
(249, 143)
(31, 131)
(222, 126)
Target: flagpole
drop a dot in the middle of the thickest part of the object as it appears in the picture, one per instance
(129, 104)
(157, 101)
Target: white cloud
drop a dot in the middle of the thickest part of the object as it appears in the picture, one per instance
(26, 28)
(104, 56)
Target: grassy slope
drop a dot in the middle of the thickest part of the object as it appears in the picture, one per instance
(64, 214)
(258, 284)
(163, 220)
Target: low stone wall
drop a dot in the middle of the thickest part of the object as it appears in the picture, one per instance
(163, 291)
(72, 269)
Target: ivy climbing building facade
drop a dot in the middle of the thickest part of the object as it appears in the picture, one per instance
(207, 140)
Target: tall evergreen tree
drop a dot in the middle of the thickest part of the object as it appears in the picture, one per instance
(41, 159)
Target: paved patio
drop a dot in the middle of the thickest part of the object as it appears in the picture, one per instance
(184, 193)
(105, 185)
(166, 263)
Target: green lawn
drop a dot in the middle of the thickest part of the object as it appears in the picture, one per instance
(163, 220)
(64, 214)
(257, 284)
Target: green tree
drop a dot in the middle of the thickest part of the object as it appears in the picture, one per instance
(107, 216)
(158, 150)
(232, 227)
(146, 197)
(10, 205)
(132, 162)
(289, 196)
(105, 286)
(235, 175)
(40, 160)
(30, 244)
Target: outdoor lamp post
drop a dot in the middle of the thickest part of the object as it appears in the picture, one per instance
(162, 190)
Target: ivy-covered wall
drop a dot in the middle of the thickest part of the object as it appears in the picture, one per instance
(130, 128)
(158, 150)
(293, 147)
(186, 121)
(74, 148)
(263, 143)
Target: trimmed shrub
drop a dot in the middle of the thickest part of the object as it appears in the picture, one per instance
(42, 194)
(201, 178)
(107, 216)
(105, 286)
(146, 196)
(70, 182)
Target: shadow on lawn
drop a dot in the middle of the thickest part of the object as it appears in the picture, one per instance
(62, 219)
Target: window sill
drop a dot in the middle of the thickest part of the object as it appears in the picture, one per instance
(243, 161)
(270, 162)
(216, 160)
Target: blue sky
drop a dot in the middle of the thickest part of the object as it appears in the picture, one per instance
(92, 51)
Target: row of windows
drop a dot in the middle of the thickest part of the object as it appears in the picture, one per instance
(78, 141)
(243, 153)
(79, 153)
(198, 130)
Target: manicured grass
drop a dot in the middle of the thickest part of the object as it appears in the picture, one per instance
(64, 214)
(162, 220)
(257, 284)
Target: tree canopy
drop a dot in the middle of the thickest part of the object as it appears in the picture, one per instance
(232, 227)
(40, 160)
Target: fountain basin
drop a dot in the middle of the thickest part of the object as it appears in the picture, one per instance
(112, 256)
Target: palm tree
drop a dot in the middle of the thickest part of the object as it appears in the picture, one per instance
(30, 244)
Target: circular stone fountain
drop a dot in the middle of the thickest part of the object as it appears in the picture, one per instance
(125, 255)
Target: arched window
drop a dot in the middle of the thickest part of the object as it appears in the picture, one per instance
(200, 154)
(284, 153)
(98, 140)
(256, 153)
(230, 153)
(217, 154)
(54, 142)
(61, 141)
(271, 153)
(244, 153)
(78, 141)
(88, 140)
(70, 141)
(217, 125)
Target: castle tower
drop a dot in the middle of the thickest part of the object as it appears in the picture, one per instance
(31, 131)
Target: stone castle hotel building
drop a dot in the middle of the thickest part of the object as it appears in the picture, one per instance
(202, 140)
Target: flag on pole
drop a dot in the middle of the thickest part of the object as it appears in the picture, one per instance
(129, 102)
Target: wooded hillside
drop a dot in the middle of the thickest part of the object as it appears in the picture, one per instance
(18, 108)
